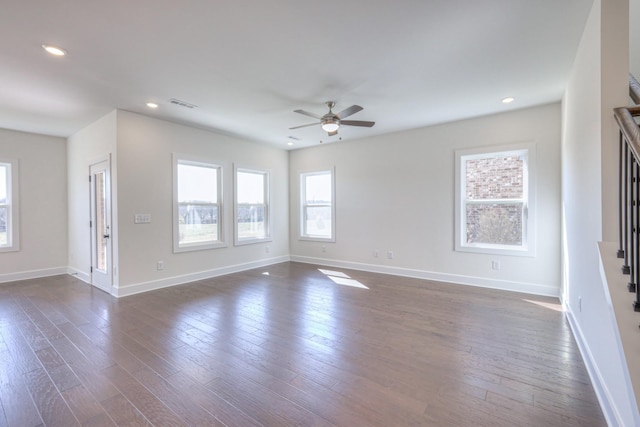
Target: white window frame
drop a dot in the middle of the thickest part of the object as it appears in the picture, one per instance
(528, 247)
(303, 206)
(12, 205)
(181, 159)
(266, 205)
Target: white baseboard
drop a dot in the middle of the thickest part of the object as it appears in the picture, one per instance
(529, 288)
(33, 274)
(600, 387)
(192, 277)
(79, 274)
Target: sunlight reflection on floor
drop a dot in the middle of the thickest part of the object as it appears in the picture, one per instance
(549, 305)
(341, 278)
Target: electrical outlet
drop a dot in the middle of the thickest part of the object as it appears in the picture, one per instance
(495, 265)
(376, 253)
(267, 249)
(160, 265)
(390, 255)
(324, 248)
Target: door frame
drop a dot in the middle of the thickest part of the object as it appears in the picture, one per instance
(99, 279)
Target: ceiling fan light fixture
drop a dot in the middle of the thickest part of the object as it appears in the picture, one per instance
(330, 125)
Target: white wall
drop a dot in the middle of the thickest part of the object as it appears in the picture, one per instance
(145, 146)
(597, 82)
(396, 193)
(88, 146)
(634, 37)
(43, 205)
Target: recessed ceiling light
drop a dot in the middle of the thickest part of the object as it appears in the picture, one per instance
(289, 143)
(54, 50)
(152, 105)
(508, 100)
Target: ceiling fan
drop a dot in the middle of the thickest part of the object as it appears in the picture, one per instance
(331, 121)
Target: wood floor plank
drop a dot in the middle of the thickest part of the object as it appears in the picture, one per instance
(289, 348)
(145, 401)
(91, 351)
(84, 406)
(123, 412)
(19, 407)
(88, 374)
(3, 418)
(212, 402)
(20, 350)
(188, 411)
(52, 407)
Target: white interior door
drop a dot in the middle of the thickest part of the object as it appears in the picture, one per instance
(101, 266)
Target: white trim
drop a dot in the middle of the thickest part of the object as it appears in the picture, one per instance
(137, 288)
(32, 274)
(618, 302)
(85, 277)
(528, 247)
(528, 288)
(599, 386)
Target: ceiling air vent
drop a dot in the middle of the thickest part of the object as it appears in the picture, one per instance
(182, 103)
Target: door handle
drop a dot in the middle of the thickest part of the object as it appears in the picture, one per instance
(106, 236)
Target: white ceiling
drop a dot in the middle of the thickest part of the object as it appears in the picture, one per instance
(248, 64)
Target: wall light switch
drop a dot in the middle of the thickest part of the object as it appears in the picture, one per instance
(142, 218)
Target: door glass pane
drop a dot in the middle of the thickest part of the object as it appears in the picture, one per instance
(101, 228)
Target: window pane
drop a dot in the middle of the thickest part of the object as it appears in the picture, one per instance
(495, 223)
(318, 221)
(497, 177)
(318, 188)
(3, 226)
(198, 223)
(197, 184)
(3, 183)
(250, 187)
(251, 221)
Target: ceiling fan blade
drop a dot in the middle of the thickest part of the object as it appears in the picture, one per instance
(304, 126)
(357, 123)
(349, 111)
(306, 113)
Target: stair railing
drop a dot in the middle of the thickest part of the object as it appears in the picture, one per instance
(629, 190)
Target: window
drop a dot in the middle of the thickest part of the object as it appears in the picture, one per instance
(197, 210)
(252, 206)
(495, 200)
(9, 216)
(317, 211)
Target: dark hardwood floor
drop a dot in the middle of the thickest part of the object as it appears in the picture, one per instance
(285, 345)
